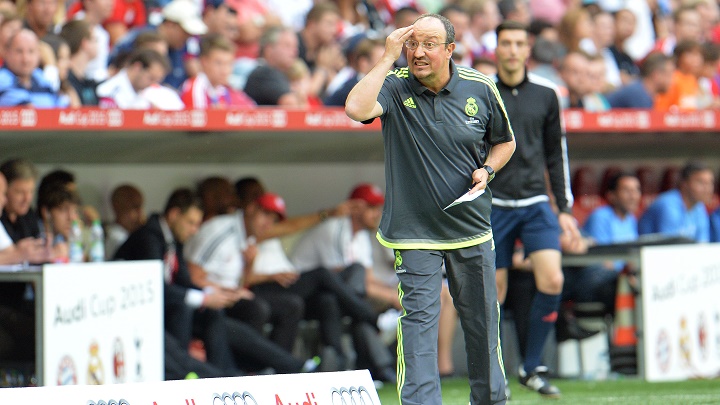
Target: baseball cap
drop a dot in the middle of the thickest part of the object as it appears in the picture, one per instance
(369, 193)
(273, 203)
(185, 13)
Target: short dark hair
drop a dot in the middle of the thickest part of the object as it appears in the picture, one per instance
(686, 46)
(146, 58)
(510, 25)
(18, 169)
(74, 32)
(653, 62)
(56, 178)
(614, 181)
(126, 197)
(248, 189)
(449, 29)
(183, 199)
(212, 42)
(56, 195)
(691, 168)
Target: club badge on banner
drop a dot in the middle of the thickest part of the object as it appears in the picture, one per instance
(102, 323)
(681, 311)
(338, 388)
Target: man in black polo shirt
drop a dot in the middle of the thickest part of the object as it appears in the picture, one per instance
(521, 208)
(445, 130)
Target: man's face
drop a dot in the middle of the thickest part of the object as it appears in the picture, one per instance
(688, 26)
(371, 216)
(699, 187)
(42, 12)
(23, 55)
(575, 73)
(282, 54)
(427, 65)
(184, 225)
(260, 221)
(326, 28)
(146, 77)
(3, 192)
(217, 65)
(626, 198)
(20, 194)
(663, 77)
(513, 50)
(62, 217)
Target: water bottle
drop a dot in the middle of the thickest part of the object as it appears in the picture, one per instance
(97, 242)
(76, 253)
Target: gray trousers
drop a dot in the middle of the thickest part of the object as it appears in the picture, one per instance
(471, 278)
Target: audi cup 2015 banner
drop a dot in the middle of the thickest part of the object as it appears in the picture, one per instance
(681, 311)
(339, 388)
(103, 323)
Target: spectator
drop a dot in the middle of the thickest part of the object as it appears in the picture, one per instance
(404, 16)
(655, 75)
(39, 17)
(25, 250)
(485, 66)
(61, 52)
(58, 208)
(126, 15)
(681, 211)
(342, 245)
(603, 38)
(709, 82)
(94, 12)
(362, 56)
(625, 23)
(254, 18)
(318, 46)
(684, 91)
(641, 42)
(22, 82)
(574, 72)
(515, 10)
(709, 11)
(83, 49)
(595, 100)
(209, 89)
(18, 218)
(181, 20)
(715, 226)
(301, 84)
(575, 31)
(220, 18)
(268, 84)
(8, 28)
(127, 204)
(545, 59)
(125, 90)
(162, 238)
(484, 18)
(460, 19)
(686, 27)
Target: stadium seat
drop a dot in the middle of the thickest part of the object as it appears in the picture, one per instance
(586, 192)
(649, 186)
(670, 178)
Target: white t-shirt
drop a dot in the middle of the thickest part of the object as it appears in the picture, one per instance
(218, 247)
(332, 245)
(271, 258)
(5, 239)
(118, 92)
(115, 236)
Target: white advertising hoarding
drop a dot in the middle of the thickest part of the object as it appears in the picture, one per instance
(339, 388)
(681, 311)
(103, 323)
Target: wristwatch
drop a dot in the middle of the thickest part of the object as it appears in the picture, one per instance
(491, 172)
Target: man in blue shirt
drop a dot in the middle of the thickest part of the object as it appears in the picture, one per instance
(21, 80)
(655, 76)
(681, 211)
(715, 226)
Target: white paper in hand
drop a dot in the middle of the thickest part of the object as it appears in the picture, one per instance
(465, 198)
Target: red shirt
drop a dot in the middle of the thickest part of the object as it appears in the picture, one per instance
(198, 93)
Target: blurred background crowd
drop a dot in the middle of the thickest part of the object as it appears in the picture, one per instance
(159, 54)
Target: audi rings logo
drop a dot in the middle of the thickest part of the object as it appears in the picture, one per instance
(108, 402)
(351, 396)
(235, 398)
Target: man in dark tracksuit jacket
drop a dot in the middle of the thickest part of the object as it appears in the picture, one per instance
(521, 208)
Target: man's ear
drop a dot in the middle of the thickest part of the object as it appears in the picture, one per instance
(449, 50)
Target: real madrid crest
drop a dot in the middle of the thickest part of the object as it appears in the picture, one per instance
(471, 108)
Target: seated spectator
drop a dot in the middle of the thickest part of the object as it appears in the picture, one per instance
(8, 28)
(684, 91)
(144, 69)
(61, 52)
(268, 84)
(595, 100)
(18, 218)
(318, 46)
(40, 17)
(95, 12)
(181, 20)
(574, 72)
(681, 211)
(25, 250)
(209, 89)
(301, 84)
(545, 58)
(126, 15)
(220, 18)
(127, 203)
(655, 77)
(715, 226)
(709, 80)
(362, 56)
(625, 23)
(343, 245)
(58, 208)
(83, 49)
(22, 82)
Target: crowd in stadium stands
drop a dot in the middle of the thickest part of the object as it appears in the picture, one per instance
(602, 54)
